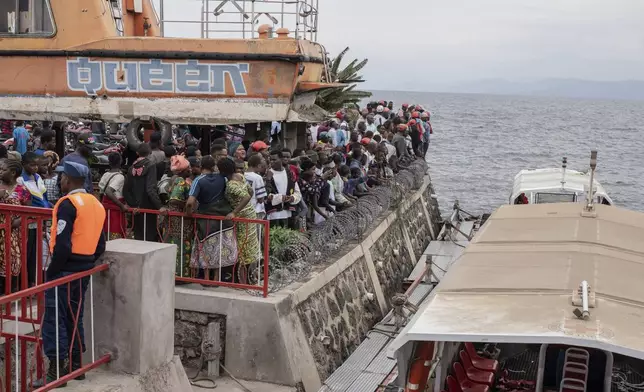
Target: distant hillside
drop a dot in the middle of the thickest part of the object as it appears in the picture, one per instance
(573, 88)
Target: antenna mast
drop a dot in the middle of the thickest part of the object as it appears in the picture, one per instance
(593, 166)
(564, 164)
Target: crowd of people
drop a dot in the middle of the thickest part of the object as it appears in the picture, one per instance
(344, 159)
(213, 206)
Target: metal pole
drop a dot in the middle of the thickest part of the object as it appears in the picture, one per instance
(563, 172)
(317, 14)
(181, 250)
(304, 19)
(202, 17)
(243, 20)
(593, 166)
(17, 18)
(584, 300)
(57, 334)
(162, 17)
(207, 18)
(17, 343)
(252, 19)
(91, 311)
(297, 20)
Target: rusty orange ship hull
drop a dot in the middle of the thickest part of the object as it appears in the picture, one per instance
(91, 73)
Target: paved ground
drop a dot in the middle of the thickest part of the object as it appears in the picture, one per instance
(228, 385)
(102, 381)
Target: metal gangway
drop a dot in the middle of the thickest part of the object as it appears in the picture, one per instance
(236, 18)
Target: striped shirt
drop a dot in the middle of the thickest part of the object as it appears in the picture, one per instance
(259, 190)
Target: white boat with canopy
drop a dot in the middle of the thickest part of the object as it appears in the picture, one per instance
(556, 185)
(546, 297)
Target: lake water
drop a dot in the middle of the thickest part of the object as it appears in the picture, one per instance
(481, 142)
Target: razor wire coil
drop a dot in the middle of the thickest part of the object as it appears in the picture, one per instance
(296, 262)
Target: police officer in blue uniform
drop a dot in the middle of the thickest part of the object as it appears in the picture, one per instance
(76, 243)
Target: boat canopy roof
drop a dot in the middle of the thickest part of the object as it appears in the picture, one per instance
(549, 181)
(514, 282)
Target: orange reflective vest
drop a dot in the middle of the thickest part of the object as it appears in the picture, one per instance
(88, 226)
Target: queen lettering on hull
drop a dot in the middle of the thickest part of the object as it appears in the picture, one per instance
(156, 76)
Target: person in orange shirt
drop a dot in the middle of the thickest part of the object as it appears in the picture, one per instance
(76, 243)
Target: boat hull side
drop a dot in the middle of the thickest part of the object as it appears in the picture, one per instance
(173, 110)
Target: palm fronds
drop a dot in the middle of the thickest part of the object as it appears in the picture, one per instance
(337, 98)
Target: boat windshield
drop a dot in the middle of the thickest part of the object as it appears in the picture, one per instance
(545, 198)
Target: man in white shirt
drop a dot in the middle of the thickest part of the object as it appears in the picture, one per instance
(331, 133)
(371, 126)
(256, 167)
(379, 120)
(283, 192)
(276, 132)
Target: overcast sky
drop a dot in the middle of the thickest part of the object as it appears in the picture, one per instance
(455, 40)
(423, 43)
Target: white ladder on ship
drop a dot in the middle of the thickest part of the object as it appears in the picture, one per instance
(117, 15)
(575, 372)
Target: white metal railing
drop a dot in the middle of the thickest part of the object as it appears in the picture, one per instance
(237, 18)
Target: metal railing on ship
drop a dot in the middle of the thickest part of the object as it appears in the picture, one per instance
(22, 307)
(211, 250)
(238, 18)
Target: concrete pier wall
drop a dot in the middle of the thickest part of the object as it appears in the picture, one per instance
(301, 334)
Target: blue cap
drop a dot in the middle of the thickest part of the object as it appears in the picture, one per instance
(73, 169)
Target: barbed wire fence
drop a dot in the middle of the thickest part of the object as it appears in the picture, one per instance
(296, 261)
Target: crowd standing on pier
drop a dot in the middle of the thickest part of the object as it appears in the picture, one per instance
(345, 157)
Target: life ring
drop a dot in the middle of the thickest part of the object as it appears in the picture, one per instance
(420, 367)
(132, 132)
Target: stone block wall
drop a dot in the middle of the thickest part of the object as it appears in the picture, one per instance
(392, 259)
(190, 329)
(341, 312)
(311, 327)
(414, 220)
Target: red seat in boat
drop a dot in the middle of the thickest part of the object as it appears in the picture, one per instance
(464, 383)
(474, 374)
(452, 385)
(479, 362)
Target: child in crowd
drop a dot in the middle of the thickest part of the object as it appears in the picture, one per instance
(32, 181)
(51, 179)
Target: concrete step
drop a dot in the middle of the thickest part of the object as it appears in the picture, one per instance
(100, 380)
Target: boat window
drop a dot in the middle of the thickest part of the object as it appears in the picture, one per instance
(544, 198)
(26, 18)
